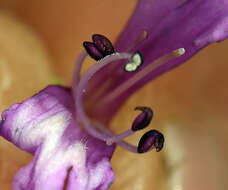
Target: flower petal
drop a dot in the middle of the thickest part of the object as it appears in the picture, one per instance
(166, 26)
(174, 24)
(64, 155)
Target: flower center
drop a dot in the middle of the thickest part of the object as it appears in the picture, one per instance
(102, 50)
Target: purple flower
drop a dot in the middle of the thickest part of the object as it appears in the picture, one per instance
(45, 126)
(66, 129)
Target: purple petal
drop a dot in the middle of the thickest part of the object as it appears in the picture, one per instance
(45, 126)
(169, 25)
(173, 24)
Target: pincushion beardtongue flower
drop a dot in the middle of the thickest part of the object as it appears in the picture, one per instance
(50, 124)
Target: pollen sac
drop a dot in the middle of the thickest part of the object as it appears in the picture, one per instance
(151, 139)
(99, 48)
(143, 119)
(93, 51)
(135, 62)
(103, 44)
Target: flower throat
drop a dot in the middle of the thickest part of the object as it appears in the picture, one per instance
(102, 50)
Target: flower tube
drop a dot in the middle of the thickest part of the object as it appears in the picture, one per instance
(50, 124)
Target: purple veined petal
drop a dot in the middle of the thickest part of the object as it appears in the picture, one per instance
(93, 51)
(103, 44)
(44, 125)
(169, 25)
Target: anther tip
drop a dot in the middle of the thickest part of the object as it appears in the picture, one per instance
(97, 36)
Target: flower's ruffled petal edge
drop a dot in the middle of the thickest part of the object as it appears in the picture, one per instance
(173, 24)
(64, 154)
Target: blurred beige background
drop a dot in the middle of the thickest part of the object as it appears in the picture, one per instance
(39, 43)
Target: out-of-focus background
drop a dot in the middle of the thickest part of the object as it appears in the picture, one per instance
(39, 43)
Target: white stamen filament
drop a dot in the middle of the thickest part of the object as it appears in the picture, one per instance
(77, 69)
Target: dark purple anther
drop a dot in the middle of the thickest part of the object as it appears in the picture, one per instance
(92, 50)
(143, 119)
(151, 139)
(99, 48)
(103, 44)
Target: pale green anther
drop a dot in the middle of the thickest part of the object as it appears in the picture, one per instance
(134, 64)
